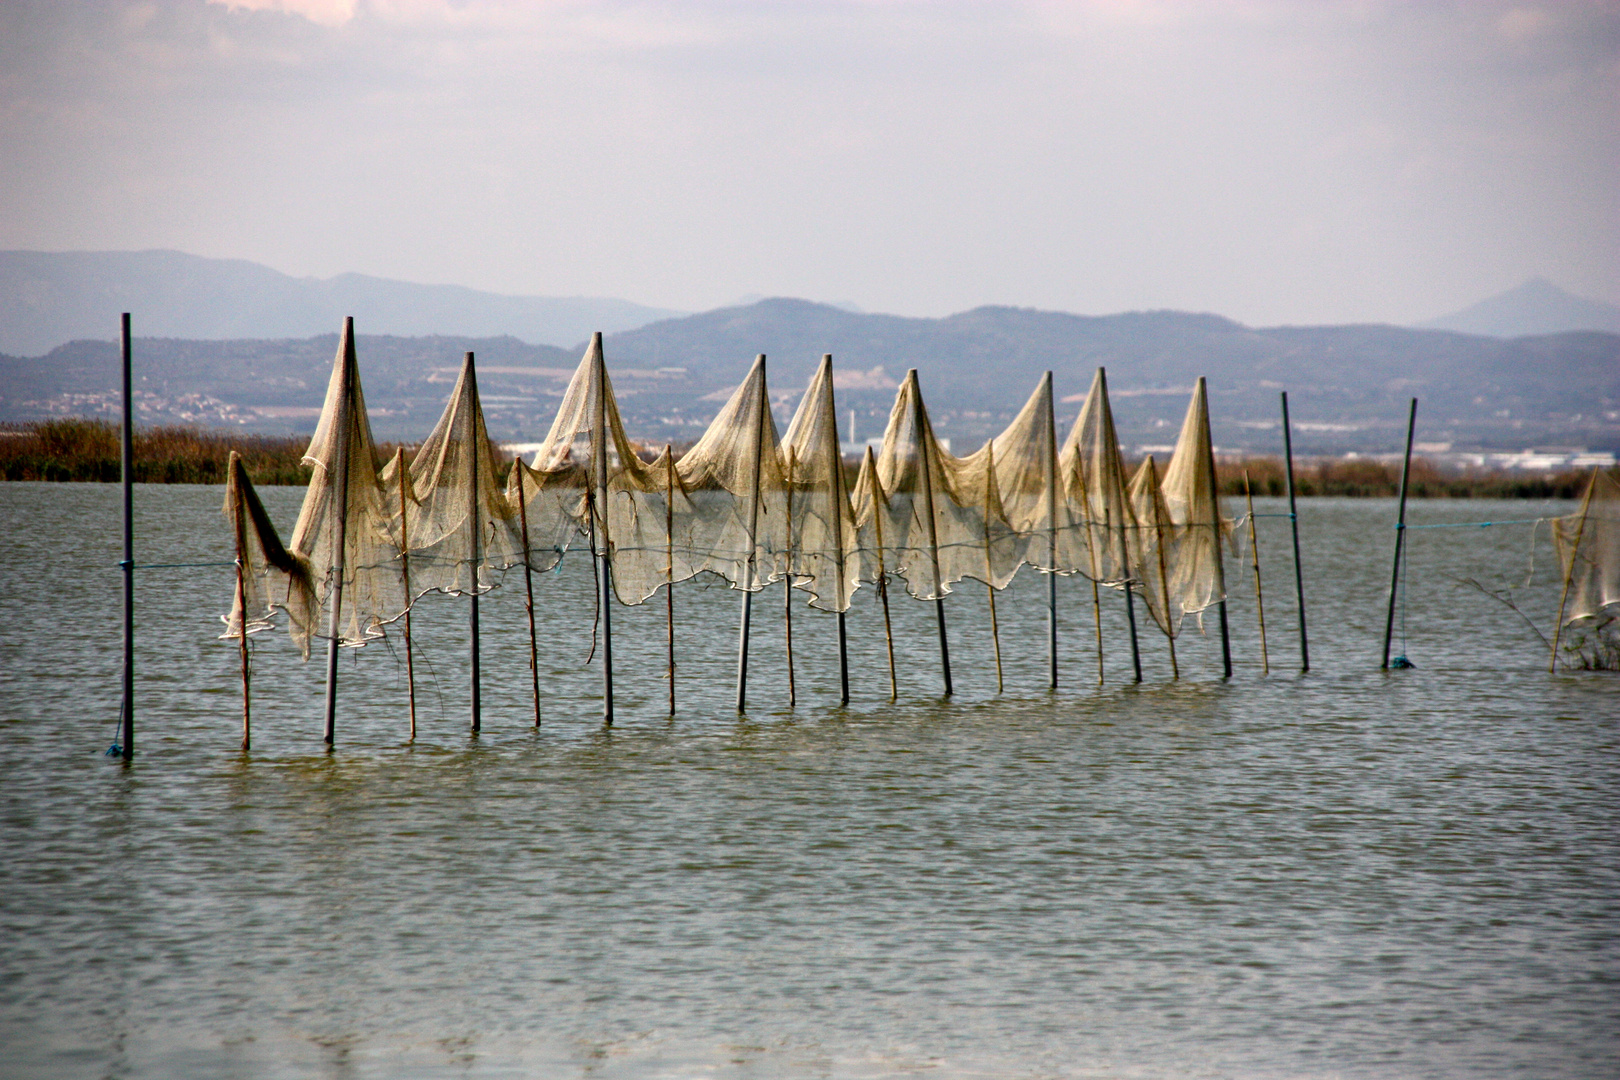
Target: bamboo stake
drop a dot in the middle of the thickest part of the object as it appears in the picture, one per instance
(1130, 600)
(1293, 521)
(933, 550)
(127, 479)
(840, 499)
(669, 573)
(346, 391)
(787, 582)
(1400, 538)
(1052, 537)
(1164, 578)
(1569, 575)
(1254, 554)
(1215, 525)
(883, 574)
(599, 465)
(753, 545)
(241, 628)
(1091, 558)
(528, 587)
(405, 578)
(476, 526)
(990, 589)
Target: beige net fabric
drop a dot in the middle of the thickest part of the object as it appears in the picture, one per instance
(736, 524)
(461, 526)
(1197, 578)
(1153, 547)
(1588, 545)
(935, 525)
(1027, 501)
(1094, 474)
(271, 576)
(344, 532)
(823, 549)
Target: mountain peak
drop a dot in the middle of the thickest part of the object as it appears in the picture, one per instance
(1535, 307)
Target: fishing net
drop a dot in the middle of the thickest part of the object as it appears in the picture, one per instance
(453, 519)
(270, 576)
(1095, 479)
(344, 533)
(1588, 545)
(1197, 577)
(1024, 470)
(1154, 548)
(823, 554)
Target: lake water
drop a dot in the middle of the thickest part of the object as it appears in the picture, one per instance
(1353, 873)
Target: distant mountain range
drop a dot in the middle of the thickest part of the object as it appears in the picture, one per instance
(48, 298)
(1348, 385)
(1536, 307)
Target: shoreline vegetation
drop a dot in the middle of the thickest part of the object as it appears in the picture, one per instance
(87, 451)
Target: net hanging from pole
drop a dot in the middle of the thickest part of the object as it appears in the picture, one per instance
(1587, 631)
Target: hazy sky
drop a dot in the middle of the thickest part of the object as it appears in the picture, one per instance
(1277, 162)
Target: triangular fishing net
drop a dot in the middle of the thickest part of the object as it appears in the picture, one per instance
(1588, 545)
(1153, 550)
(733, 478)
(822, 540)
(461, 525)
(271, 577)
(344, 531)
(1094, 474)
(1026, 473)
(1197, 578)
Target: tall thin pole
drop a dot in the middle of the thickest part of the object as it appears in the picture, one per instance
(345, 445)
(599, 438)
(242, 626)
(401, 471)
(928, 450)
(840, 496)
(753, 532)
(1130, 599)
(883, 573)
(1400, 534)
(1293, 521)
(475, 523)
(127, 475)
(528, 586)
(989, 586)
(1091, 556)
(1254, 556)
(1052, 534)
(1164, 576)
(1569, 574)
(787, 582)
(1215, 527)
(669, 578)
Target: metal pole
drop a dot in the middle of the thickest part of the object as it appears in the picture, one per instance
(1293, 521)
(528, 586)
(476, 526)
(127, 475)
(1400, 535)
(1569, 575)
(345, 395)
(1215, 526)
(753, 531)
(1254, 556)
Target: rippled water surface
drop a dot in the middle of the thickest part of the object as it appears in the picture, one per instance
(1346, 874)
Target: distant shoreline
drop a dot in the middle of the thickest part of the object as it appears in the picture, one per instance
(87, 451)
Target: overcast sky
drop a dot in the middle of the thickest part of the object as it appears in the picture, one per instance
(1276, 162)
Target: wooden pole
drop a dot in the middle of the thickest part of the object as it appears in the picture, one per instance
(1569, 575)
(1293, 521)
(1052, 535)
(127, 477)
(475, 523)
(840, 498)
(528, 586)
(599, 464)
(1400, 539)
(343, 425)
(1254, 555)
(401, 471)
(1215, 526)
(1091, 557)
(669, 574)
(753, 545)
(1164, 578)
(1130, 599)
(787, 582)
(933, 555)
(990, 589)
(883, 574)
(241, 628)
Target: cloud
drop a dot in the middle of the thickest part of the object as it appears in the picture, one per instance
(321, 12)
